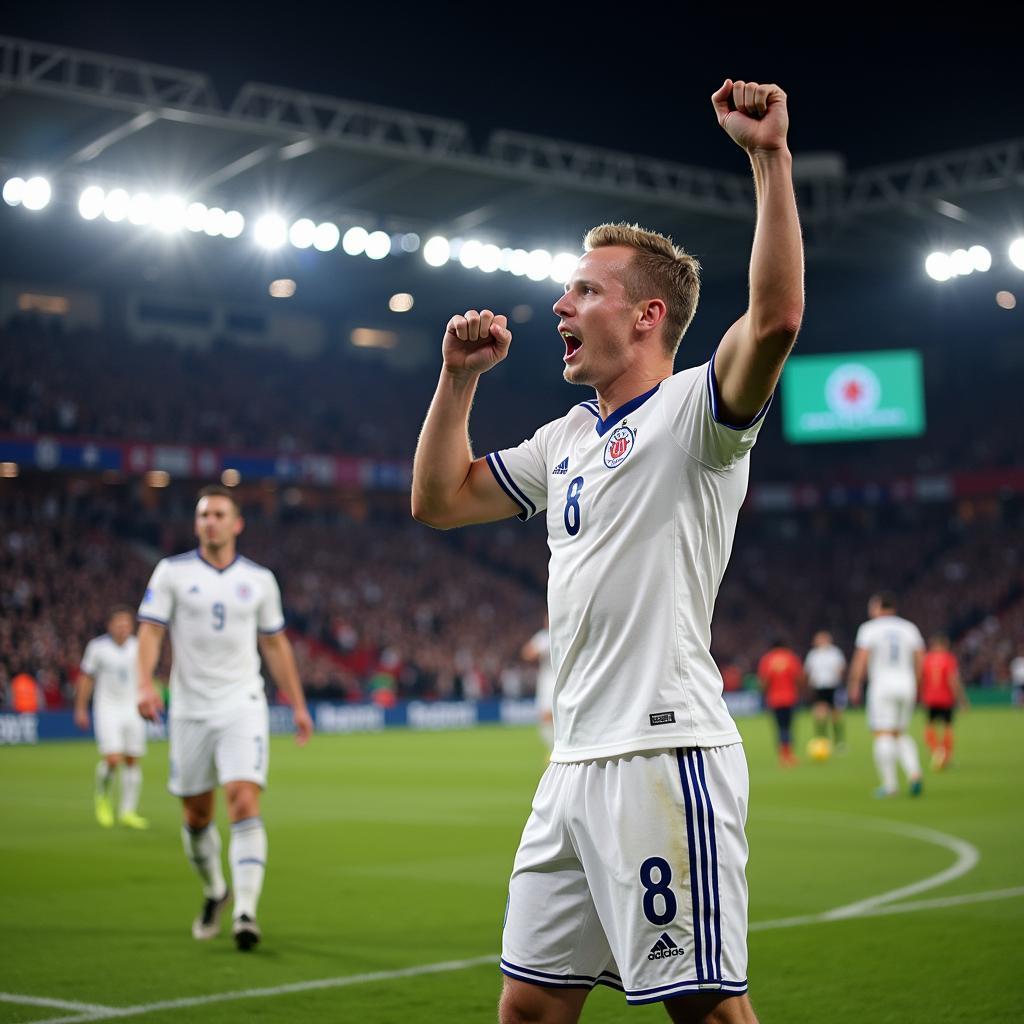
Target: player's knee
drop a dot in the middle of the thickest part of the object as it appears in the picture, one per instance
(528, 1004)
(243, 802)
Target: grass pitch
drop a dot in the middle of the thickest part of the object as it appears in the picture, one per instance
(393, 850)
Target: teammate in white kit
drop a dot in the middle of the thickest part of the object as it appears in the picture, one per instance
(538, 649)
(825, 666)
(109, 676)
(223, 611)
(889, 651)
(631, 869)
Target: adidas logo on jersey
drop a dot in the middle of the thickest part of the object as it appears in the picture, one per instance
(193, 589)
(562, 468)
(663, 948)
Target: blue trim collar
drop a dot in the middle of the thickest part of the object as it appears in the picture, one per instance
(199, 555)
(603, 426)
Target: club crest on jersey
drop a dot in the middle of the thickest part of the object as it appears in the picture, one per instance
(244, 591)
(619, 445)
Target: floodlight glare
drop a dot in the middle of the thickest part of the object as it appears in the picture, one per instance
(519, 262)
(378, 245)
(410, 241)
(169, 215)
(270, 231)
(213, 222)
(14, 191)
(437, 251)
(469, 254)
(960, 262)
(937, 266)
(354, 241)
(195, 216)
(1016, 253)
(37, 193)
(115, 205)
(562, 267)
(90, 202)
(401, 302)
(981, 258)
(140, 208)
(326, 237)
(234, 224)
(490, 259)
(539, 265)
(302, 233)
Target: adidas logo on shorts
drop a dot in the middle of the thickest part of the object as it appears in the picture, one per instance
(663, 948)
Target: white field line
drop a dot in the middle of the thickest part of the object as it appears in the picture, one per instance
(56, 1004)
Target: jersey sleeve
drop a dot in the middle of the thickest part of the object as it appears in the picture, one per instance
(694, 412)
(90, 659)
(158, 601)
(863, 636)
(522, 473)
(916, 640)
(271, 616)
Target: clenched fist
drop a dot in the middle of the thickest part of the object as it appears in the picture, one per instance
(475, 342)
(753, 115)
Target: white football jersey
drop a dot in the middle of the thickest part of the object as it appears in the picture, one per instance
(541, 641)
(214, 616)
(113, 668)
(641, 512)
(890, 642)
(824, 667)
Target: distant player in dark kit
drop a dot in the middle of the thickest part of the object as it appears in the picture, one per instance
(781, 676)
(941, 692)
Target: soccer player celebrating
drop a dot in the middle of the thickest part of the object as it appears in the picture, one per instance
(889, 652)
(781, 674)
(941, 692)
(631, 868)
(216, 604)
(825, 665)
(110, 677)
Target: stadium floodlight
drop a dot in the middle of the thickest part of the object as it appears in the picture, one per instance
(562, 267)
(981, 258)
(469, 254)
(234, 224)
(14, 191)
(401, 302)
(519, 262)
(960, 262)
(90, 202)
(213, 222)
(169, 215)
(539, 265)
(37, 193)
(1016, 253)
(354, 241)
(116, 204)
(195, 216)
(301, 233)
(140, 209)
(378, 245)
(326, 237)
(437, 251)
(410, 241)
(490, 259)
(270, 231)
(937, 266)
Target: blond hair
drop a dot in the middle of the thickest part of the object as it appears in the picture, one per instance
(659, 269)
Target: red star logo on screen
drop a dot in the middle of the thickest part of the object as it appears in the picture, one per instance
(852, 390)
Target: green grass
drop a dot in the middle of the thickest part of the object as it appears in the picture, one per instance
(393, 850)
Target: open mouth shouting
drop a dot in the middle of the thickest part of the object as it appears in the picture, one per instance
(572, 344)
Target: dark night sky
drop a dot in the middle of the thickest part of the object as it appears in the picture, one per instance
(867, 85)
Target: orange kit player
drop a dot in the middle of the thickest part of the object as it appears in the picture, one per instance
(941, 692)
(781, 673)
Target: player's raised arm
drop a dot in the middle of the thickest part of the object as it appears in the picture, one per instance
(277, 649)
(151, 638)
(749, 359)
(449, 487)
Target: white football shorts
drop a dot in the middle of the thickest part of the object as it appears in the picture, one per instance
(889, 710)
(120, 731)
(231, 748)
(631, 873)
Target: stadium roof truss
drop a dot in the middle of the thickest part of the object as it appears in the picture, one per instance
(109, 117)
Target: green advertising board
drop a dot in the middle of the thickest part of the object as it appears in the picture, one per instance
(853, 396)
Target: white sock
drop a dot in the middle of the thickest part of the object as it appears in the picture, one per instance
(131, 786)
(909, 760)
(248, 856)
(104, 777)
(885, 762)
(202, 847)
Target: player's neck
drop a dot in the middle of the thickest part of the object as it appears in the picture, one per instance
(220, 557)
(634, 382)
